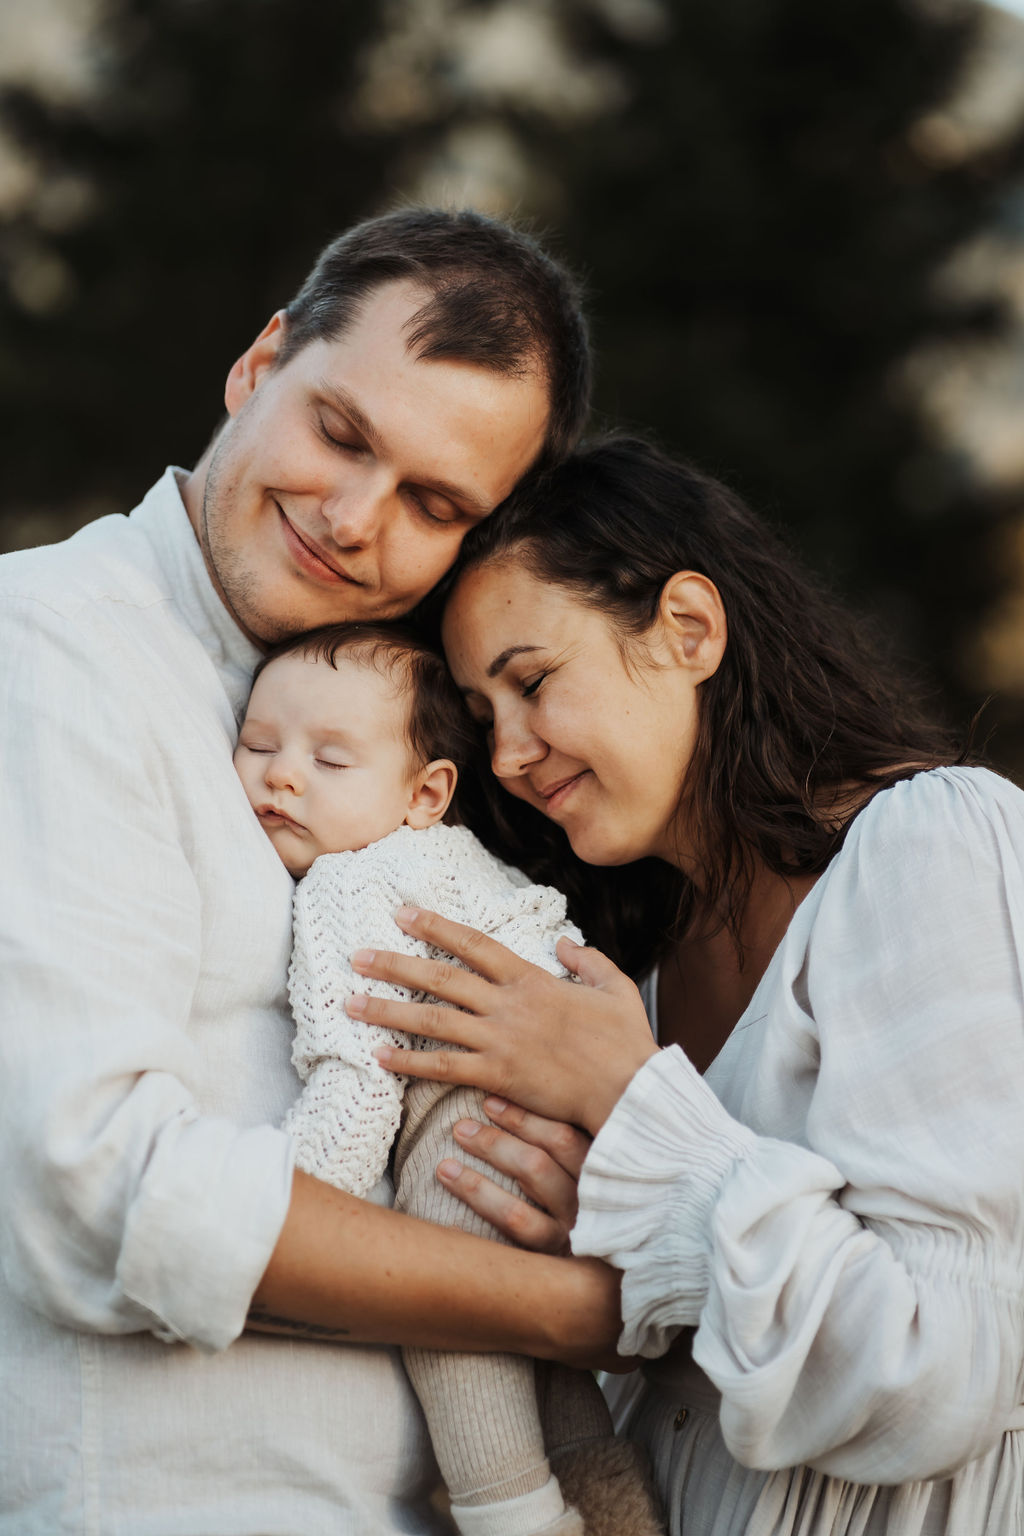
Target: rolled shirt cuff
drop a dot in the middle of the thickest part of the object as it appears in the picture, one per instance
(201, 1232)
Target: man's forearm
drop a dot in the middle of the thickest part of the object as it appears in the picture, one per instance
(352, 1271)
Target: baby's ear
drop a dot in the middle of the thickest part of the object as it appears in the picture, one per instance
(432, 790)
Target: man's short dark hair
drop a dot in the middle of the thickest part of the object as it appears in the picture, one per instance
(496, 299)
(438, 723)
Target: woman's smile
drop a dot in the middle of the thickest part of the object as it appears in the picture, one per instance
(555, 795)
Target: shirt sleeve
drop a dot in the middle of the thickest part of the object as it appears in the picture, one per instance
(123, 1208)
(858, 1298)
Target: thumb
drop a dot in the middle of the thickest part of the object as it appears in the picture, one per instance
(590, 966)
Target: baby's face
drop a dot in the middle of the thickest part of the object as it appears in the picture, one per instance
(323, 756)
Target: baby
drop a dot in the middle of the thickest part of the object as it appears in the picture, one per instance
(348, 757)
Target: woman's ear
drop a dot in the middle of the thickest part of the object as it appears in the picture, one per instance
(432, 791)
(254, 362)
(693, 623)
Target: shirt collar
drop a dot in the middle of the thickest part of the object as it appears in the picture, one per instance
(165, 521)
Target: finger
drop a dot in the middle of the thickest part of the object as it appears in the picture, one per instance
(433, 1020)
(591, 967)
(522, 1224)
(566, 1144)
(440, 978)
(485, 956)
(534, 1170)
(459, 1067)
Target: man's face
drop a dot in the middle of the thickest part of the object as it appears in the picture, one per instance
(346, 479)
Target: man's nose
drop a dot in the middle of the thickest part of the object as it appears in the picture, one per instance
(357, 507)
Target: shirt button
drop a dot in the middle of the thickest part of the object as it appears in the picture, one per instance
(680, 1418)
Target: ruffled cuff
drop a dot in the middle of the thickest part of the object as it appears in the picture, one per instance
(647, 1192)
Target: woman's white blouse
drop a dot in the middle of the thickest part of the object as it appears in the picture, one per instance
(837, 1207)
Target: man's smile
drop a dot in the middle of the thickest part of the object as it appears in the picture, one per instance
(311, 558)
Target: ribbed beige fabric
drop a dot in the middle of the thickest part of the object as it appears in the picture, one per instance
(484, 1411)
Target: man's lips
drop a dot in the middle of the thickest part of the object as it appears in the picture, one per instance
(309, 556)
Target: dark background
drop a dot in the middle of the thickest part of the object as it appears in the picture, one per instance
(766, 199)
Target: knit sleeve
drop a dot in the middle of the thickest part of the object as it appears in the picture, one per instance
(348, 1114)
(471, 886)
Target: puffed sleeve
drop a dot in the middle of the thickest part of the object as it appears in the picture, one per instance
(857, 1296)
(123, 1208)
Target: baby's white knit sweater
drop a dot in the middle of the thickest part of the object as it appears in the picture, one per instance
(483, 1411)
(348, 1116)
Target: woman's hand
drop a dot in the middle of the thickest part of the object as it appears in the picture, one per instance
(543, 1156)
(564, 1051)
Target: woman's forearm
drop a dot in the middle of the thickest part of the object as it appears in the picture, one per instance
(356, 1272)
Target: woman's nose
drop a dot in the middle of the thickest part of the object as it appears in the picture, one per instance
(514, 750)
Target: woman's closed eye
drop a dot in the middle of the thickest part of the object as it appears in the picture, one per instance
(529, 689)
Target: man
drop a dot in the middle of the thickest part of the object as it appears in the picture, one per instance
(429, 361)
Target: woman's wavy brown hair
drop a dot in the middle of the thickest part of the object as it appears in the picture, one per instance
(804, 719)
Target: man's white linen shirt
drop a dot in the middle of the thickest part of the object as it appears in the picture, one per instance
(145, 928)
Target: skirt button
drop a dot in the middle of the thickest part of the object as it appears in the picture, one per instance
(680, 1418)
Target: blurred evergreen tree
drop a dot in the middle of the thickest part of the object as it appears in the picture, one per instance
(217, 154)
(763, 219)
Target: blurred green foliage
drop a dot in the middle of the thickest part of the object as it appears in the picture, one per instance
(219, 156)
(764, 227)
(759, 221)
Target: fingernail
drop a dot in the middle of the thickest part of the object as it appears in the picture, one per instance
(357, 1002)
(382, 1054)
(495, 1106)
(449, 1169)
(406, 915)
(364, 957)
(466, 1128)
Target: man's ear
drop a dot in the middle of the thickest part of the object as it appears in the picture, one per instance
(432, 792)
(254, 362)
(693, 623)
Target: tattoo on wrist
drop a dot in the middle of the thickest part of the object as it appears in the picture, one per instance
(261, 1318)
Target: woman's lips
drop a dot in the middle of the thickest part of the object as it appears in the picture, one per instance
(311, 559)
(556, 795)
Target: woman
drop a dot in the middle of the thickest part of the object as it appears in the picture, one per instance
(822, 1236)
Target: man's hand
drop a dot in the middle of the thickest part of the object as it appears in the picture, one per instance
(544, 1157)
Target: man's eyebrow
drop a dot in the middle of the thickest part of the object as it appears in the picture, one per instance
(501, 661)
(345, 402)
(340, 398)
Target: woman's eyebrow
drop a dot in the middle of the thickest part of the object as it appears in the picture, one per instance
(504, 657)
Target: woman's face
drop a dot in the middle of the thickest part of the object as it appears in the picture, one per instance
(598, 741)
